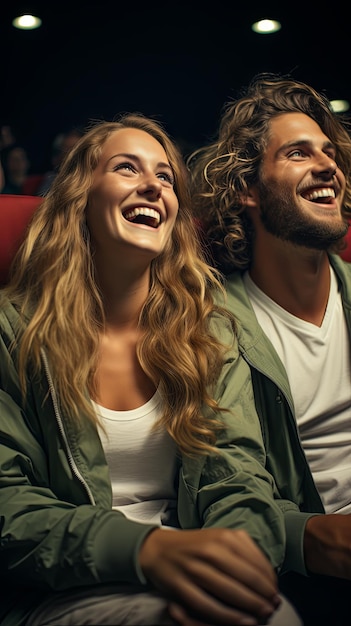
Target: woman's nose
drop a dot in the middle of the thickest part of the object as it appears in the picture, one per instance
(150, 185)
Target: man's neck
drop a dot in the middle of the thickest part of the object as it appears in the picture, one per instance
(298, 280)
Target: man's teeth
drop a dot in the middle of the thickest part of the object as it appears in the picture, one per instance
(321, 193)
(133, 213)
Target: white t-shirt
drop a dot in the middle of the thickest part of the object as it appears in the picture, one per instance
(142, 463)
(318, 364)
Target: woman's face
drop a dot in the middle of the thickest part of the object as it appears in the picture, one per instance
(132, 204)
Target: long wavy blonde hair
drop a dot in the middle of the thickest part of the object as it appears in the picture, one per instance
(53, 285)
(223, 171)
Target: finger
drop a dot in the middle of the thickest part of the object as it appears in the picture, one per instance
(180, 615)
(229, 569)
(202, 604)
(242, 588)
(220, 562)
(245, 547)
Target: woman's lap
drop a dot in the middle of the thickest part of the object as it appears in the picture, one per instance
(107, 605)
(111, 605)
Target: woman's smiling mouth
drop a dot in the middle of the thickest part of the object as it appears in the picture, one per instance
(143, 215)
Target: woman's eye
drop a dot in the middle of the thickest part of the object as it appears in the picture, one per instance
(167, 177)
(124, 166)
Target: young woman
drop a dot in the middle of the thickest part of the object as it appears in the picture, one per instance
(114, 411)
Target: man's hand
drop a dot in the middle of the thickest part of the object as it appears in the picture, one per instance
(327, 545)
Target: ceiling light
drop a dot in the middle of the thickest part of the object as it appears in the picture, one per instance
(26, 22)
(339, 106)
(266, 27)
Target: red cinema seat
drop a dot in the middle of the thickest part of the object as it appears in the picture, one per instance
(15, 213)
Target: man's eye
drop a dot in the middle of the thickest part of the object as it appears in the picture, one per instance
(296, 153)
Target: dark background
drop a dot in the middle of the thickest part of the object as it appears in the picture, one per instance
(178, 62)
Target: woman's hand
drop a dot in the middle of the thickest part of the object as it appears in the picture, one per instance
(211, 576)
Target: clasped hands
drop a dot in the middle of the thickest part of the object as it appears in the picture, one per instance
(211, 576)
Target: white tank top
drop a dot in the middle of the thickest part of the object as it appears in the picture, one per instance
(318, 364)
(142, 463)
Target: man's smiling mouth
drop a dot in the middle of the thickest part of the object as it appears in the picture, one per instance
(323, 195)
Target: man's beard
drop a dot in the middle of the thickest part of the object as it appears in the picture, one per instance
(284, 218)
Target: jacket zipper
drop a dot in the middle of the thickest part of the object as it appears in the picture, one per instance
(60, 425)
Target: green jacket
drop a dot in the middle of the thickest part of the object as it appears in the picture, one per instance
(285, 458)
(57, 527)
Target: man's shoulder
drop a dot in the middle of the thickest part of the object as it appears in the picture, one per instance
(237, 298)
(342, 269)
(234, 282)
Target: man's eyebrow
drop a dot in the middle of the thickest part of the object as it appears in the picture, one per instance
(305, 143)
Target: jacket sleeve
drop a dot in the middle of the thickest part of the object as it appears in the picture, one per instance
(232, 488)
(48, 538)
(50, 542)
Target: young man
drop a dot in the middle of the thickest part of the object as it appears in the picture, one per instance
(273, 196)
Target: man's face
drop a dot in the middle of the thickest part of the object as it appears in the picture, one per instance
(301, 189)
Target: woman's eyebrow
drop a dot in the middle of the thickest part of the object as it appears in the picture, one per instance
(126, 155)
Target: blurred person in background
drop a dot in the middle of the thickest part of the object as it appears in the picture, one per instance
(61, 145)
(15, 165)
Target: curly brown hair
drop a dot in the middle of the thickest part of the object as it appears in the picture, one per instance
(223, 171)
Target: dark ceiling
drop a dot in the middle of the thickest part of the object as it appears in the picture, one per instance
(178, 62)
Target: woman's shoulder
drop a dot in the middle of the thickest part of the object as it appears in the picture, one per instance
(5, 302)
(9, 315)
(222, 325)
